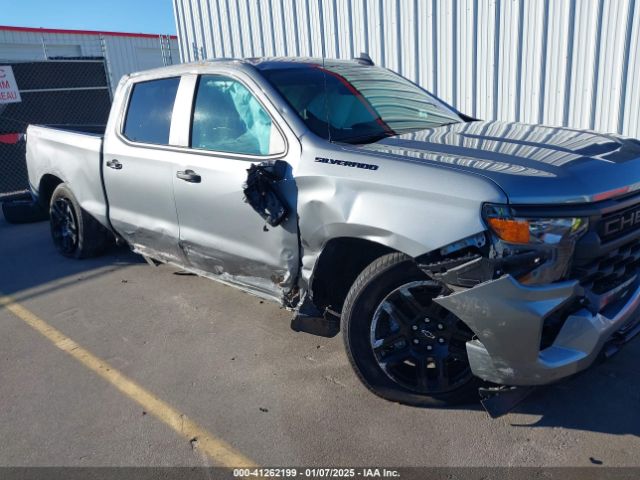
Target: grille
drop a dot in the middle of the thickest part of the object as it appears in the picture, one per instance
(610, 271)
(618, 224)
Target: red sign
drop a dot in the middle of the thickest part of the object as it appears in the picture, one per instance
(10, 138)
(9, 92)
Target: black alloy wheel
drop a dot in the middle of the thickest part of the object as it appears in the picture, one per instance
(64, 225)
(75, 233)
(417, 343)
(401, 343)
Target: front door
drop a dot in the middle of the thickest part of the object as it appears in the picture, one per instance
(219, 232)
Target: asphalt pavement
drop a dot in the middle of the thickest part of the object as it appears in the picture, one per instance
(230, 363)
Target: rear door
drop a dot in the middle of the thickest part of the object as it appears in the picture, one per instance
(229, 127)
(139, 168)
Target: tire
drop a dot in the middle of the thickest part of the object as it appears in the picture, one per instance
(23, 211)
(393, 331)
(75, 233)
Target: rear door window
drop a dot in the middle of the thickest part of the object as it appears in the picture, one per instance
(149, 113)
(227, 117)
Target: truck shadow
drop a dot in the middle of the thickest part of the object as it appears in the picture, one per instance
(604, 398)
(30, 266)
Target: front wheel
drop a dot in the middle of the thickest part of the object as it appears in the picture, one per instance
(403, 346)
(74, 231)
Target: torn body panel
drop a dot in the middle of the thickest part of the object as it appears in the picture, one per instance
(252, 273)
(533, 323)
(508, 319)
(255, 285)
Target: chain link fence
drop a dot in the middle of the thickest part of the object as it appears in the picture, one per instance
(71, 92)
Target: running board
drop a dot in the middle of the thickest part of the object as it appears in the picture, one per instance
(309, 319)
(498, 401)
(319, 326)
(151, 261)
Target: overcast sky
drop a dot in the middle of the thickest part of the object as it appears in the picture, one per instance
(135, 16)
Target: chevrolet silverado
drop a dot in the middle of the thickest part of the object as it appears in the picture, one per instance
(451, 252)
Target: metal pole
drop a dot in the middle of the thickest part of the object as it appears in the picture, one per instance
(195, 52)
(161, 41)
(107, 65)
(169, 49)
(44, 47)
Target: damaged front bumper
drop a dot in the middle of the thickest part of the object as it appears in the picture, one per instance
(508, 319)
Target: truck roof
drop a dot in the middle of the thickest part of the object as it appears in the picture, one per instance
(260, 63)
(274, 63)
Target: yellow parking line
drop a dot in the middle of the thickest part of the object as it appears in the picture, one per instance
(218, 450)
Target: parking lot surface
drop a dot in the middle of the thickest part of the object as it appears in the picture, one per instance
(230, 363)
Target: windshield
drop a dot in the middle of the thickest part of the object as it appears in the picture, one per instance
(351, 103)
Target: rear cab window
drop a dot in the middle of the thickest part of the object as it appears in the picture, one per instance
(148, 118)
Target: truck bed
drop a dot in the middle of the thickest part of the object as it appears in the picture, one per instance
(73, 155)
(92, 129)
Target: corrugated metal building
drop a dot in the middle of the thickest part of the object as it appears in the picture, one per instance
(570, 63)
(124, 52)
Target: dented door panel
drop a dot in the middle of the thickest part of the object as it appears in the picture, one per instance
(220, 233)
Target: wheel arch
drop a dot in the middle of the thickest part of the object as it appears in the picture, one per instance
(48, 183)
(337, 266)
(332, 269)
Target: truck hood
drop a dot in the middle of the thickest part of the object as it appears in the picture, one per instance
(531, 164)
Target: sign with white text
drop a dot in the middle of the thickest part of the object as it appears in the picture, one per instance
(9, 92)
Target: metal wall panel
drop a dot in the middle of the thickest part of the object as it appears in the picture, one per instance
(629, 121)
(124, 53)
(572, 63)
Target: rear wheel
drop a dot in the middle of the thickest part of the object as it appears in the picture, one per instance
(75, 233)
(403, 346)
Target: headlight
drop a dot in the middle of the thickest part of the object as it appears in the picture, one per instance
(531, 231)
(549, 243)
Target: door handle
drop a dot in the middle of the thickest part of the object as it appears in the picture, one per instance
(189, 176)
(115, 164)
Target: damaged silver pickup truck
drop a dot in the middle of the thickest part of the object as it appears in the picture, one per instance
(449, 251)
